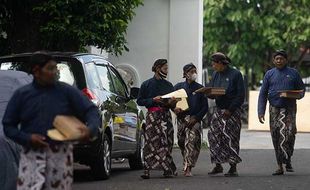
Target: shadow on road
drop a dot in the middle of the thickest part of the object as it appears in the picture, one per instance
(83, 173)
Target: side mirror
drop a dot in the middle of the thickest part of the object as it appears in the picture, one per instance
(134, 92)
(121, 100)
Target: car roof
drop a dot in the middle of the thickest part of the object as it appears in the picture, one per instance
(83, 57)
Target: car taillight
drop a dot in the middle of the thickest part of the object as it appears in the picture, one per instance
(89, 94)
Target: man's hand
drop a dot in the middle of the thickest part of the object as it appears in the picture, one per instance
(172, 101)
(85, 134)
(178, 111)
(38, 141)
(261, 119)
(192, 121)
(157, 99)
(226, 114)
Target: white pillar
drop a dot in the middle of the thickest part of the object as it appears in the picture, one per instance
(185, 37)
(169, 29)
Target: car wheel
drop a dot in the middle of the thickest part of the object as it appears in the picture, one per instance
(136, 161)
(101, 168)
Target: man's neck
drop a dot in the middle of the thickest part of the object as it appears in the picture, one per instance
(157, 76)
(189, 81)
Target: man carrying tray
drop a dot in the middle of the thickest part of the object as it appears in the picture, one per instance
(189, 121)
(224, 133)
(45, 163)
(282, 85)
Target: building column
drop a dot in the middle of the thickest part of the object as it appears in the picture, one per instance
(185, 37)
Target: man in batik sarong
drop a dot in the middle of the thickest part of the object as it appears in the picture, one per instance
(44, 163)
(158, 132)
(225, 127)
(282, 110)
(189, 121)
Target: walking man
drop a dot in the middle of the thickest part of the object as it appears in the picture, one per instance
(224, 133)
(158, 132)
(44, 163)
(282, 110)
(189, 121)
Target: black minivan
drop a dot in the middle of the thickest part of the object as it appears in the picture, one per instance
(122, 119)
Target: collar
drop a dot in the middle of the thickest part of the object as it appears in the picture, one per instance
(39, 86)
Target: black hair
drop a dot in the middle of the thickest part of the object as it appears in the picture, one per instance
(40, 59)
(280, 52)
(159, 62)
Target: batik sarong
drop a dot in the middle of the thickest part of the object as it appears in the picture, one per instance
(48, 168)
(283, 131)
(158, 135)
(189, 141)
(224, 137)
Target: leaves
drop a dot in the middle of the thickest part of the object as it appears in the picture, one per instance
(249, 30)
(72, 24)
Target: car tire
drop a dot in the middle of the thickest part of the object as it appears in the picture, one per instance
(136, 161)
(101, 168)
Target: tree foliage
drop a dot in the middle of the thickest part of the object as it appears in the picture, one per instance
(250, 30)
(65, 25)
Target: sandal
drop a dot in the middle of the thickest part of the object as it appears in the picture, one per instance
(278, 172)
(216, 170)
(146, 174)
(289, 168)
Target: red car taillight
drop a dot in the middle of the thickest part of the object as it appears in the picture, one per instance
(89, 94)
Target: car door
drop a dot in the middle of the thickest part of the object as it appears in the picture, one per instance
(126, 117)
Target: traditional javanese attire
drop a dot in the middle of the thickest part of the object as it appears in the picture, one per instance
(158, 132)
(224, 134)
(189, 137)
(282, 110)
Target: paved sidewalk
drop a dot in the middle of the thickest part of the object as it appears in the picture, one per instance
(262, 140)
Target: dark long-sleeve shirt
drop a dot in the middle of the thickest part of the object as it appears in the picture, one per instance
(198, 102)
(152, 88)
(276, 80)
(34, 107)
(232, 80)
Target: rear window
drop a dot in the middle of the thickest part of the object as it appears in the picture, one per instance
(68, 72)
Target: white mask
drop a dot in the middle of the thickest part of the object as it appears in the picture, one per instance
(193, 77)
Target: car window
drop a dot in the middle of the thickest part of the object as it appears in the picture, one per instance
(105, 78)
(67, 72)
(119, 85)
(92, 76)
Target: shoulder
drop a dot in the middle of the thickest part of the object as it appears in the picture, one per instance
(145, 83)
(24, 89)
(62, 86)
(235, 72)
(270, 72)
(293, 70)
(179, 85)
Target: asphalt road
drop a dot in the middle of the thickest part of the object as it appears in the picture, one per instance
(254, 174)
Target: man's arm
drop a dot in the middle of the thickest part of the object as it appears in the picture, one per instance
(204, 108)
(262, 99)
(11, 119)
(300, 85)
(142, 100)
(239, 98)
(85, 109)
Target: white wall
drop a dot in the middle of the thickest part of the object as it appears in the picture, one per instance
(185, 40)
(303, 112)
(170, 29)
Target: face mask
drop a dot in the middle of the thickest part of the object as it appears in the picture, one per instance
(162, 74)
(193, 77)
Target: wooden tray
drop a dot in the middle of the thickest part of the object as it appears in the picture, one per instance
(212, 91)
(295, 94)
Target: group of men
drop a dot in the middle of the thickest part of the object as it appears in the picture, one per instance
(47, 164)
(225, 122)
